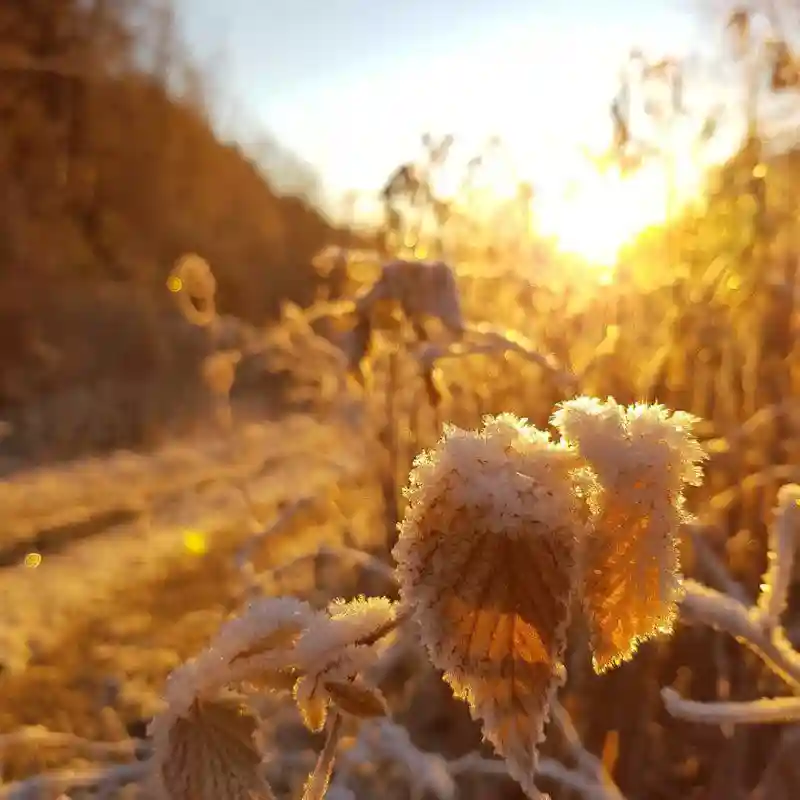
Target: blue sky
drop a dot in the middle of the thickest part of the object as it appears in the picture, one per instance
(350, 85)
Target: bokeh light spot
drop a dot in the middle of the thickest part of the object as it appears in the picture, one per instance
(196, 542)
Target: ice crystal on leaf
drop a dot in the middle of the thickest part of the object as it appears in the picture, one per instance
(504, 527)
(487, 560)
(277, 643)
(641, 458)
(267, 626)
(333, 653)
(209, 752)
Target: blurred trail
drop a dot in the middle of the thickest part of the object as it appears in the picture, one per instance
(104, 670)
(184, 510)
(48, 505)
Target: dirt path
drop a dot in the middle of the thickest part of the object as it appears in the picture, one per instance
(89, 635)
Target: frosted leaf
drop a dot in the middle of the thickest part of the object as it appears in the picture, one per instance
(314, 692)
(784, 538)
(267, 624)
(641, 458)
(334, 633)
(331, 653)
(632, 583)
(208, 753)
(640, 441)
(486, 563)
(312, 702)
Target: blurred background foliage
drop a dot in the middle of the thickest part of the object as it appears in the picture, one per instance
(110, 168)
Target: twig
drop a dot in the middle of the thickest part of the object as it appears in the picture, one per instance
(488, 340)
(547, 768)
(587, 762)
(779, 710)
(319, 779)
(702, 605)
(350, 554)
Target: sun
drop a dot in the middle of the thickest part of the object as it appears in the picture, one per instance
(601, 212)
(588, 213)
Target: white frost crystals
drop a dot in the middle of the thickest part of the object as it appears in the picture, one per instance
(758, 627)
(505, 526)
(206, 742)
(639, 460)
(507, 530)
(486, 564)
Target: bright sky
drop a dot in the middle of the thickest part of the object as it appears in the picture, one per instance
(350, 85)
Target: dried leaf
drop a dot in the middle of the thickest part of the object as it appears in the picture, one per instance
(642, 457)
(210, 753)
(344, 633)
(312, 702)
(486, 561)
(632, 583)
(357, 698)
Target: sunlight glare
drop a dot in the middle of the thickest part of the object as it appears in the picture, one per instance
(590, 214)
(600, 213)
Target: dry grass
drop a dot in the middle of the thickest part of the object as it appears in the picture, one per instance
(97, 626)
(115, 568)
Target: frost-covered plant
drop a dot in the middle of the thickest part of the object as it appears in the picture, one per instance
(487, 561)
(206, 742)
(640, 458)
(422, 289)
(758, 627)
(504, 527)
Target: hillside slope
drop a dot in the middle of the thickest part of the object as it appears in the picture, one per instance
(110, 168)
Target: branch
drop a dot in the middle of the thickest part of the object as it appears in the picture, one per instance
(764, 711)
(705, 606)
(488, 340)
(588, 763)
(784, 536)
